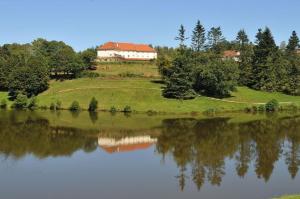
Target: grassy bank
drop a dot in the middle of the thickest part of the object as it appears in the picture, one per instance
(144, 95)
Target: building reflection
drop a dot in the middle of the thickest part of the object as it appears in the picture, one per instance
(126, 144)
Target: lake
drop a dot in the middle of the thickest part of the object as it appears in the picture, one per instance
(68, 155)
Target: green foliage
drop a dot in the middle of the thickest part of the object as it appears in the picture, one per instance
(113, 109)
(127, 109)
(75, 106)
(215, 39)
(198, 37)
(31, 77)
(93, 105)
(179, 84)
(261, 108)
(88, 57)
(87, 74)
(293, 43)
(130, 74)
(20, 102)
(3, 104)
(272, 106)
(217, 78)
(33, 103)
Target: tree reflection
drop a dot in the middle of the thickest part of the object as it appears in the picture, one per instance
(204, 146)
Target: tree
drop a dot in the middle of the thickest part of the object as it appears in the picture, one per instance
(31, 78)
(265, 53)
(293, 43)
(88, 57)
(215, 38)
(198, 37)
(242, 38)
(181, 36)
(180, 83)
(245, 59)
(93, 105)
(217, 79)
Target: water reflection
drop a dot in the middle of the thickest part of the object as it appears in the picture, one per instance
(199, 147)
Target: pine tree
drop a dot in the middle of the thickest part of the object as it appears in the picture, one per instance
(264, 70)
(180, 83)
(293, 43)
(181, 36)
(215, 37)
(198, 37)
(242, 38)
(245, 59)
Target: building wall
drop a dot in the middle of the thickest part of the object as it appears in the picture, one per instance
(126, 54)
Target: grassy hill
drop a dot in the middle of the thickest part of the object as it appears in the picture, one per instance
(144, 93)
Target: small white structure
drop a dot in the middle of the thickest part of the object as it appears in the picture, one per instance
(116, 51)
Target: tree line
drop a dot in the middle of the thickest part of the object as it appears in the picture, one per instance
(27, 68)
(201, 68)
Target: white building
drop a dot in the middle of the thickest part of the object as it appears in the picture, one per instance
(115, 51)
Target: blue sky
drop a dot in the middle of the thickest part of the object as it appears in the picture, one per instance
(86, 23)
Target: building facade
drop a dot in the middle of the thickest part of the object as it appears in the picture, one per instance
(116, 51)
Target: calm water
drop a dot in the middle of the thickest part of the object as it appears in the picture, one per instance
(72, 156)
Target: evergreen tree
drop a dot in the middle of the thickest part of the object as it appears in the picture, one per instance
(215, 38)
(180, 83)
(293, 43)
(181, 36)
(198, 37)
(264, 70)
(242, 38)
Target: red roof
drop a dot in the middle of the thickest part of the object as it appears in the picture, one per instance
(126, 148)
(231, 53)
(126, 47)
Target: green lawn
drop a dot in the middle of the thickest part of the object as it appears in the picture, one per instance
(143, 95)
(141, 69)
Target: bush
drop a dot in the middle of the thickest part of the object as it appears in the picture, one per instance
(130, 74)
(20, 102)
(33, 104)
(56, 106)
(3, 104)
(93, 105)
(75, 106)
(261, 108)
(87, 74)
(272, 106)
(52, 106)
(127, 109)
(113, 109)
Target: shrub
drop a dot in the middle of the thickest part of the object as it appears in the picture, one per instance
(261, 108)
(113, 109)
(52, 106)
(130, 74)
(20, 102)
(272, 106)
(3, 104)
(93, 105)
(127, 109)
(44, 107)
(254, 109)
(87, 74)
(58, 105)
(33, 103)
(247, 110)
(75, 106)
